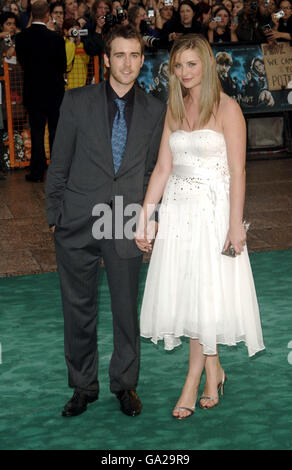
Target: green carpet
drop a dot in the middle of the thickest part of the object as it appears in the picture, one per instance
(255, 412)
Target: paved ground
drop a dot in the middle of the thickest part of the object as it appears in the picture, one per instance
(26, 245)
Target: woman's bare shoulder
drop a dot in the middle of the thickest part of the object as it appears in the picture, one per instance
(228, 104)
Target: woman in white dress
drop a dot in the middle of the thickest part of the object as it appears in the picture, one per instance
(192, 289)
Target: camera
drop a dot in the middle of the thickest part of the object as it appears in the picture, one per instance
(151, 41)
(111, 20)
(151, 13)
(279, 14)
(121, 15)
(8, 41)
(217, 19)
(78, 32)
(168, 3)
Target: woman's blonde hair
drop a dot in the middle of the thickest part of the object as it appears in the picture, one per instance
(210, 86)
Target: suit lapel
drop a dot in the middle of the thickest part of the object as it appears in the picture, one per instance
(99, 122)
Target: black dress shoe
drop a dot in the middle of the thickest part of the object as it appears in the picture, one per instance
(130, 402)
(34, 179)
(78, 404)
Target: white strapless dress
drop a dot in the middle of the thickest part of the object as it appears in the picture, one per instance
(192, 289)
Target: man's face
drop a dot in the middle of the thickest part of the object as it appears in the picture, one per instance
(125, 62)
(9, 26)
(259, 67)
(223, 69)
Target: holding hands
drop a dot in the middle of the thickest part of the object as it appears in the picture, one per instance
(145, 233)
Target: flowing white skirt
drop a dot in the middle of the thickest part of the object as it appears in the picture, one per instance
(192, 289)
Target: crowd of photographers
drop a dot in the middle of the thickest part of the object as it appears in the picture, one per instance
(83, 23)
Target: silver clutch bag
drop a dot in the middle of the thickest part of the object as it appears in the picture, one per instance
(230, 250)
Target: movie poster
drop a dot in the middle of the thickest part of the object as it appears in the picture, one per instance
(153, 77)
(242, 75)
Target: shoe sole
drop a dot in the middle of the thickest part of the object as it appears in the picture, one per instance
(70, 414)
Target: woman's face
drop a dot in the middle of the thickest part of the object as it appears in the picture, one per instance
(186, 15)
(224, 17)
(9, 26)
(141, 16)
(71, 6)
(287, 9)
(14, 9)
(228, 4)
(102, 9)
(237, 7)
(58, 14)
(271, 6)
(115, 6)
(166, 12)
(188, 68)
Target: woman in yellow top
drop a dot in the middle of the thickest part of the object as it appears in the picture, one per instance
(77, 59)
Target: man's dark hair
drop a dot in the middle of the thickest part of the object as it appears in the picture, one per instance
(121, 31)
(39, 9)
(5, 16)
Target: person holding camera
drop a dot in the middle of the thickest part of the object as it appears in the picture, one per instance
(282, 25)
(42, 55)
(138, 18)
(249, 28)
(93, 42)
(204, 15)
(185, 24)
(57, 16)
(221, 27)
(165, 9)
(77, 59)
(8, 25)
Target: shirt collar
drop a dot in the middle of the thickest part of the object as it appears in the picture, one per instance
(111, 94)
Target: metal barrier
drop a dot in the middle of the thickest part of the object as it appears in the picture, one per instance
(17, 139)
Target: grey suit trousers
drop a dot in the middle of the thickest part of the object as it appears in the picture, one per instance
(78, 271)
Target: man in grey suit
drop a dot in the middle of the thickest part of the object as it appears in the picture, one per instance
(105, 149)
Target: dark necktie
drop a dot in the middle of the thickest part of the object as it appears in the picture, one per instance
(119, 134)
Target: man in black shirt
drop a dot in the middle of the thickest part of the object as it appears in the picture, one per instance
(105, 149)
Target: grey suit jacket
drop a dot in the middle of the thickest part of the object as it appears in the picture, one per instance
(81, 172)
